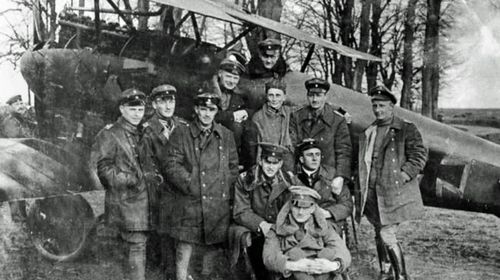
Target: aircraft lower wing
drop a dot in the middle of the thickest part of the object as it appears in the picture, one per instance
(230, 14)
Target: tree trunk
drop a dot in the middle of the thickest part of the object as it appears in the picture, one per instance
(143, 6)
(364, 43)
(430, 71)
(376, 47)
(409, 38)
(346, 31)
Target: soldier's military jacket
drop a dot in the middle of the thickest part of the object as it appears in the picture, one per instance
(237, 102)
(17, 126)
(340, 206)
(287, 240)
(155, 137)
(402, 150)
(330, 130)
(257, 200)
(118, 158)
(202, 178)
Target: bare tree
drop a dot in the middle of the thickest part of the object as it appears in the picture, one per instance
(430, 71)
(409, 38)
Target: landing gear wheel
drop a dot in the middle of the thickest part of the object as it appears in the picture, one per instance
(59, 226)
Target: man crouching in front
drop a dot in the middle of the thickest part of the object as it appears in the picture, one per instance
(201, 166)
(302, 245)
(118, 160)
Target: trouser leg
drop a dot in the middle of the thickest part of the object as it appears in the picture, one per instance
(383, 258)
(255, 255)
(398, 261)
(135, 264)
(168, 256)
(183, 253)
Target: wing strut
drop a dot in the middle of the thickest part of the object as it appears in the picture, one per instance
(181, 22)
(237, 38)
(117, 10)
(196, 29)
(97, 20)
(308, 58)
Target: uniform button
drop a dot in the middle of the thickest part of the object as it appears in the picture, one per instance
(203, 173)
(204, 197)
(393, 160)
(397, 182)
(203, 185)
(394, 171)
(220, 147)
(392, 149)
(196, 149)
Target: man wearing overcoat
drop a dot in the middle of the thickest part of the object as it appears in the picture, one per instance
(156, 133)
(119, 158)
(201, 166)
(336, 204)
(259, 195)
(320, 121)
(18, 124)
(391, 155)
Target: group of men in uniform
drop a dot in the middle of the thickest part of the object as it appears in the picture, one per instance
(271, 175)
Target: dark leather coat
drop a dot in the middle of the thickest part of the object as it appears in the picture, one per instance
(202, 180)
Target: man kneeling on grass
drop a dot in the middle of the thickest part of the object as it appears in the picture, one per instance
(302, 245)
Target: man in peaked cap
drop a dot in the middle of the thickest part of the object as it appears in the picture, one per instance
(119, 162)
(322, 122)
(201, 166)
(17, 123)
(270, 124)
(336, 204)
(269, 62)
(233, 104)
(302, 245)
(391, 155)
(259, 194)
(156, 133)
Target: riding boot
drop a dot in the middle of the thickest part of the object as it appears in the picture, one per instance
(384, 261)
(398, 262)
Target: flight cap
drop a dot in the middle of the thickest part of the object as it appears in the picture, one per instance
(271, 152)
(304, 197)
(14, 99)
(132, 97)
(382, 93)
(317, 85)
(164, 91)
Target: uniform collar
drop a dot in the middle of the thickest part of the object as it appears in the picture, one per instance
(127, 125)
(268, 110)
(326, 115)
(396, 123)
(196, 129)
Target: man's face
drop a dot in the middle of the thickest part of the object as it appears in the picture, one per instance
(133, 114)
(270, 168)
(382, 109)
(228, 80)
(268, 59)
(317, 99)
(311, 159)
(205, 114)
(19, 107)
(275, 98)
(302, 214)
(165, 106)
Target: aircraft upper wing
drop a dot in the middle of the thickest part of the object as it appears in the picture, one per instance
(230, 14)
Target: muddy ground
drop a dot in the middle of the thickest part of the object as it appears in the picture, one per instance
(443, 245)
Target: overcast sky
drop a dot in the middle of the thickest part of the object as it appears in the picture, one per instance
(474, 83)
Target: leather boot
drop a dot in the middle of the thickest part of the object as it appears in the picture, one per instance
(384, 261)
(398, 262)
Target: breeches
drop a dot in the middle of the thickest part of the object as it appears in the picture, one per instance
(386, 233)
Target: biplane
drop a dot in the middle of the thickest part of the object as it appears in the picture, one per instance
(76, 80)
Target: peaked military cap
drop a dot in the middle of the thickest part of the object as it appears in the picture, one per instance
(14, 99)
(269, 46)
(303, 196)
(317, 83)
(237, 56)
(163, 91)
(132, 97)
(232, 66)
(271, 152)
(276, 83)
(207, 99)
(306, 144)
(382, 93)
